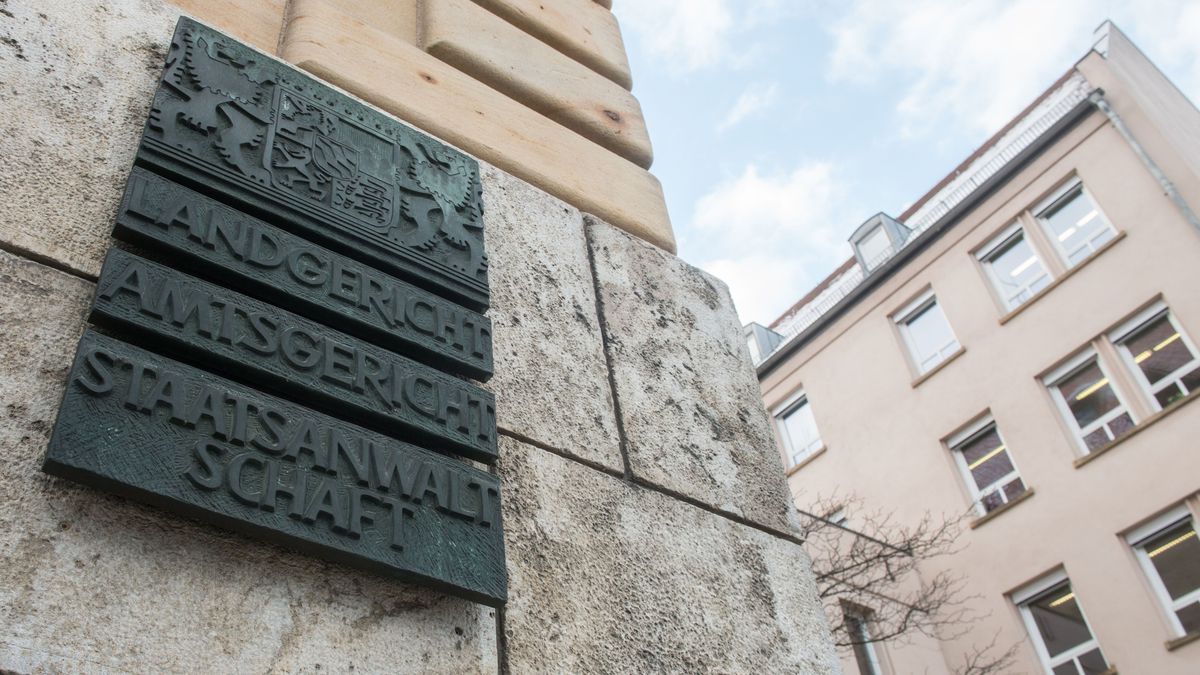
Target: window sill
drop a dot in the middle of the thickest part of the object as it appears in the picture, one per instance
(804, 462)
(936, 369)
(1001, 509)
(1066, 275)
(1178, 642)
(1148, 422)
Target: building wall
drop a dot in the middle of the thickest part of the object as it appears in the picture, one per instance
(883, 427)
(637, 539)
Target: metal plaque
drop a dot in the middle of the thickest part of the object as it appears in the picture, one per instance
(229, 247)
(252, 340)
(161, 432)
(251, 131)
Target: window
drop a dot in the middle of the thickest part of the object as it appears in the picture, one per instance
(864, 648)
(1162, 357)
(987, 467)
(875, 248)
(1089, 402)
(1074, 222)
(1015, 270)
(755, 357)
(798, 428)
(1059, 630)
(1169, 551)
(926, 332)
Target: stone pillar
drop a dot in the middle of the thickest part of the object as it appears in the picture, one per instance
(646, 519)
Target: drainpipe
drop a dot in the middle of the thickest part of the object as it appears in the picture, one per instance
(1097, 99)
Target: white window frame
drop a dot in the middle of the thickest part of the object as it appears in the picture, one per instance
(1074, 364)
(1137, 539)
(1035, 590)
(867, 644)
(838, 517)
(1139, 320)
(985, 255)
(1049, 201)
(752, 345)
(909, 312)
(977, 494)
(782, 410)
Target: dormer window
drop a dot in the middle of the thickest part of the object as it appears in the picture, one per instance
(875, 247)
(876, 240)
(761, 341)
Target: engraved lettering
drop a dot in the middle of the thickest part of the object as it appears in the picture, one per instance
(205, 452)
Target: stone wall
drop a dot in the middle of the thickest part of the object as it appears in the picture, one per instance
(646, 520)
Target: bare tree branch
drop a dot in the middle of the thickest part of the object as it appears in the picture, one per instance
(985, 661)
(874, 565)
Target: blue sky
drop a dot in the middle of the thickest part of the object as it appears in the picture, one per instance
(780, 125)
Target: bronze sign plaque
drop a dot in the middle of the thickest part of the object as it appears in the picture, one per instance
(226, 245)
(251, 131)
(285, 353)
(290, 327)
(161, 432)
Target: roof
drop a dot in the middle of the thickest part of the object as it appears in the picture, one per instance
(1005, 152)
(816, 290)
(925, 199)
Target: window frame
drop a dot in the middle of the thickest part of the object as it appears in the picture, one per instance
(968, 434)
(863, 617)
(789, 406)
(986, 256)
(752, 346)
(923, 302)
(1073, 365)
(1036, 590)
(1139, 320)
(1052, 199)
(1137, 538)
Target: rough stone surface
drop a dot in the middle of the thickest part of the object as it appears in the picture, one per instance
(606, 576)
(91, 582)
(551, 380)
(689, 400)
(76, 79)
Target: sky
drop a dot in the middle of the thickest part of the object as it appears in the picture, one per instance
(779, 126)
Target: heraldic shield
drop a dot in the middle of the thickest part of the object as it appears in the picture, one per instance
(239, 125)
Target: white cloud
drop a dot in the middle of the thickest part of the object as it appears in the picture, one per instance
(755, 99)
(768, 235)
(690, 35)
(975, 64)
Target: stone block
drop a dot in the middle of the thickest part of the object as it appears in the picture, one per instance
(74, 107)
(92, 582)
(257, 22)
(405, 81)
(607, 576)
(506, 58)
(577, 28)
(397, 17)
(689, 399)
(544, 323)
